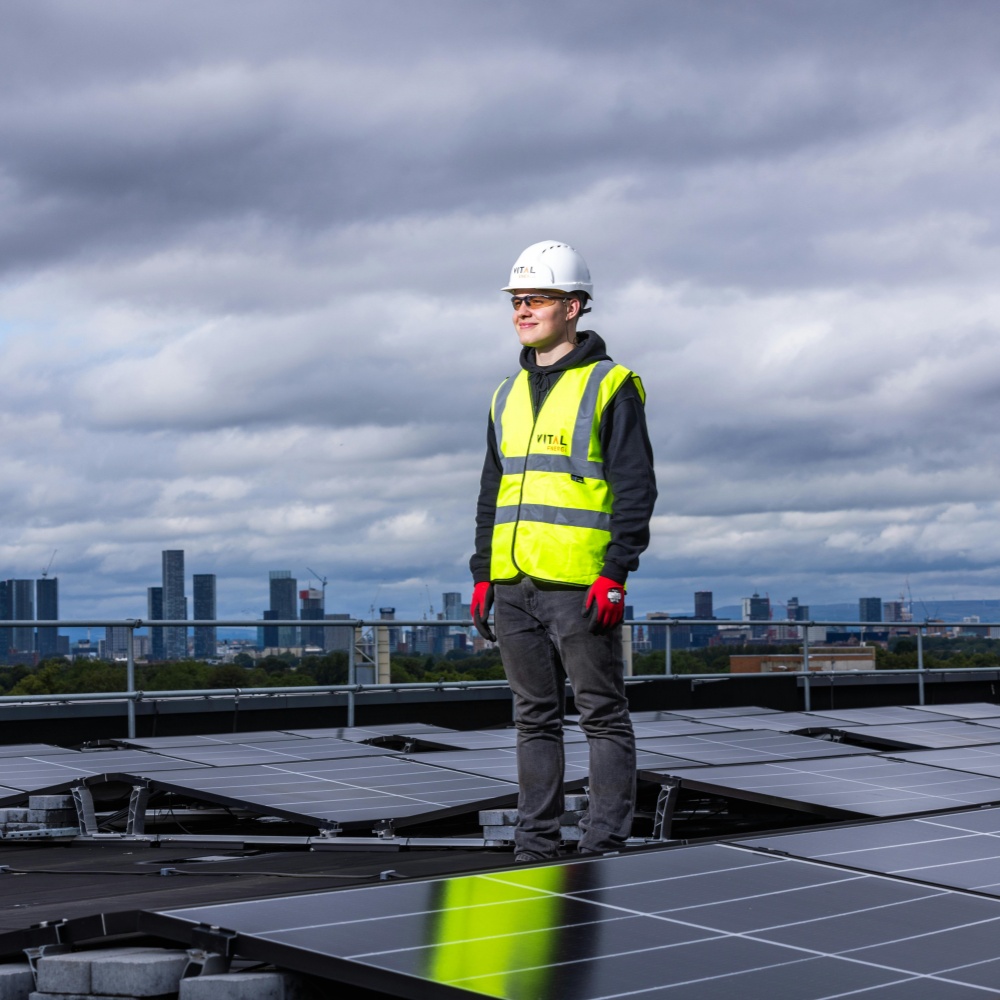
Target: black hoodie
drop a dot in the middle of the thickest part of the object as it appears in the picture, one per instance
(628, 464)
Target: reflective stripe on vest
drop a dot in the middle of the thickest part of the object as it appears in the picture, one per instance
(553, 512)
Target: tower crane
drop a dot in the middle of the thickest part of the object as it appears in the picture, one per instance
(45, 572)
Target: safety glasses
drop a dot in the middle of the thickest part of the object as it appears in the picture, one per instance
(535, 301)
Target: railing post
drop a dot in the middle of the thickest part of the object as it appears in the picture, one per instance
(920, 665)
(352, 676)
(130, 678)
(668, 667)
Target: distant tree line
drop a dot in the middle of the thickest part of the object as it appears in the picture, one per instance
(61, 676)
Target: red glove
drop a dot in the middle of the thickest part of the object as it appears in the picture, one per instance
(605, 604)
(482, 601)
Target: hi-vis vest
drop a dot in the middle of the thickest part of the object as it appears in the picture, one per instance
(553, 512)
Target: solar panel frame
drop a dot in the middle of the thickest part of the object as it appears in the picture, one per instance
(707, 921)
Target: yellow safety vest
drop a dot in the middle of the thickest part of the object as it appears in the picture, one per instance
(553, 511)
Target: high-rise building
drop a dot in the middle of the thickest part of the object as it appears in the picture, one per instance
(312, 611)
(174, 605)
(6, 614)
(338, 638)
(23, 610)
(154, 613)
(703, 607)
(896, 611)
(870, 609)
(203, 587)
(47, 603)
(757, 609)
(115, 642)
(283, 588)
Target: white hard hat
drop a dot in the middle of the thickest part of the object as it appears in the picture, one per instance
(551, 264)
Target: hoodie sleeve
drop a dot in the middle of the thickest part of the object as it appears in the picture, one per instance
(628, 467)
(486, 507)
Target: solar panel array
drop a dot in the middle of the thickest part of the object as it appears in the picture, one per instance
(335, 776)
(697, 922)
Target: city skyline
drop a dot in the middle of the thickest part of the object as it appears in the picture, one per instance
(251, 265)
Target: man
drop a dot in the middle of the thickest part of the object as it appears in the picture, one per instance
(565, 500)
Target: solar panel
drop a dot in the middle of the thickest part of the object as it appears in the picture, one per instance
(843, 786)
(952, 733)
(966, 710)
(971, 760)
(501, 762)
(233, 754)
(707, 922)
(781, 722)
(361, 734)
(746, 747)
(669, 727)
(351, 791)
(958, 850)
(484, 739)
(211, 739)
(879, 716)
(32, 774)
(33, 749)
(721, 713)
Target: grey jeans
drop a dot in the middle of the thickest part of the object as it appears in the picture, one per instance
(544, 638)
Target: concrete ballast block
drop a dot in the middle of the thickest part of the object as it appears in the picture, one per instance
(242, 986)
(71, 973)
(16, 981)
(146, 974)
(50, 802)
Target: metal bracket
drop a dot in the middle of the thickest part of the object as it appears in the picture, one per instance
(666, 803)
(384, 830)
(83, 800)
(44, 950)
(211, 952)
(136, 824)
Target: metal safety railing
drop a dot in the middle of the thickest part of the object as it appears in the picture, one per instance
(775, 633)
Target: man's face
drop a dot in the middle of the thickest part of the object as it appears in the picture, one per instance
(545, 326)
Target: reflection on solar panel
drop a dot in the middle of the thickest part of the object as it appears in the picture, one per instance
(746, 747)
(971, 760)
(782, 722)
(231, 754)
(879, 716)
(966, 710)
(844, 786)
(698, 922)
(352, 791)
(959, 850)
(953, 733)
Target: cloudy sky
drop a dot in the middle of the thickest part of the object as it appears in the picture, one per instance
(250, 255)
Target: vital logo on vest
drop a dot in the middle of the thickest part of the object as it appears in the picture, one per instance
(552, 442)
